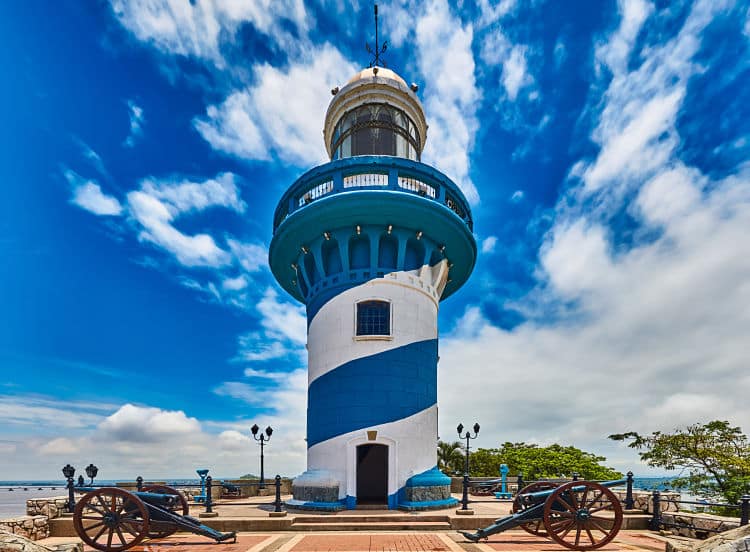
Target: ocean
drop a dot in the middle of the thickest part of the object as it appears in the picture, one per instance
(14, 494)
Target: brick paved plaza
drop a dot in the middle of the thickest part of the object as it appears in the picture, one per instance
(402, 541)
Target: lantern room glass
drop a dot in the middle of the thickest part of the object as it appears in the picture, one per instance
(376, 129)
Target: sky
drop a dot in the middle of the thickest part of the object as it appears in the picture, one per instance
(603, 146)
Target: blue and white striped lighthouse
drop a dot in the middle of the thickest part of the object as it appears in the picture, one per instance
(371, 243)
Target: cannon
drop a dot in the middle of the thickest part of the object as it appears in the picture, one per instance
(112, 519)
(580, 515)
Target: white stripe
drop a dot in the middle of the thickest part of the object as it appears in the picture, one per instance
(412, 446)
(331, 336)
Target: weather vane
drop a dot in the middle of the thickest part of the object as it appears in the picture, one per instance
(377, 60)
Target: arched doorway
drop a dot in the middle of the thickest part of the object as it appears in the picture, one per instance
(372, 474)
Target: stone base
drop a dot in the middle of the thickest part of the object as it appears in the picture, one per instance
(30, 527)
(316, 506)
(460, 512)
(208, 514)
(277, 514)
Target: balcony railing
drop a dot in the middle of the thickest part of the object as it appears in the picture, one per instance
(377, 173)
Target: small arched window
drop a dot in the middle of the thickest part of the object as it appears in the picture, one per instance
(373, 318)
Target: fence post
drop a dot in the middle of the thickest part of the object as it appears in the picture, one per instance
(139, 483)
(465, 497)
(519, 482)
(71, 495)
(209, 481)
(277, 502)
(655, 523)
(745, 510)
(629, 502)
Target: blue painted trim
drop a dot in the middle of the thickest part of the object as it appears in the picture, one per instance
(325, 506)
(335, 170)
(338, 214)
(428, 505)
(372, 390)
(429, 478)
(350, 502)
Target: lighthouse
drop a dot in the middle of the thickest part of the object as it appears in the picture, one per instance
(371, 242)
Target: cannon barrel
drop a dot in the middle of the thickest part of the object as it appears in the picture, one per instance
(538, 497)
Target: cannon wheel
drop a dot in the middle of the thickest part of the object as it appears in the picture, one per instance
(111, 519)
(582, 515)
(536, 528)
(181, 508)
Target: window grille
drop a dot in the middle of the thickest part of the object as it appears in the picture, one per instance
(374, 318)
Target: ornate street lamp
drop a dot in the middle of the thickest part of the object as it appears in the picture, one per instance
(263, 439)
(91, 471)
(467, 436)
(69, 471)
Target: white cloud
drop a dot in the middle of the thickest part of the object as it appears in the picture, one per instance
(517, 196)
(37, 412)
(614, 53)
(235, 284)
(491, 12)
(515, 72)
(144, 424)
(282, 113)
(135, 113)
(488, 244)
(158, 204)
(645, 336)
(282, 319)
(451, 96)
(88, 195)
(252, 257)
(202, 28)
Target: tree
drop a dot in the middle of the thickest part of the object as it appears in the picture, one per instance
(714, 458)
(450, 457)
(536, 462)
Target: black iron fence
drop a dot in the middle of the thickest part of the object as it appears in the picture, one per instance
(206, 498)
(658, 522)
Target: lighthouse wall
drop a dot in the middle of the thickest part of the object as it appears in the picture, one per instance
(382, 384)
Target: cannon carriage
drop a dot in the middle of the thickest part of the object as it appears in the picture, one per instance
(112, 519)
(580, 515)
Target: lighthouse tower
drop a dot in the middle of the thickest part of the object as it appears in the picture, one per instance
(371, 242)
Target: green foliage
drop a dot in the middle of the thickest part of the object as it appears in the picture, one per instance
(450, 457)
(249, 476)
(536, 462)
(714, 458)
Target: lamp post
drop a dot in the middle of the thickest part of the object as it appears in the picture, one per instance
(263, 439)
(468, 437)
(91, 471)
(68, 472)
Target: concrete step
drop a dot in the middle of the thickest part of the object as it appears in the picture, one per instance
(356, 518)
(373, 526)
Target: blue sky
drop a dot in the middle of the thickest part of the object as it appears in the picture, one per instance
(603, 145)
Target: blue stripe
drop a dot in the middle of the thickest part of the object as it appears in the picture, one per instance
(373, 390)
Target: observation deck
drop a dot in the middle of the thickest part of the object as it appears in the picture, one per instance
(328, 210)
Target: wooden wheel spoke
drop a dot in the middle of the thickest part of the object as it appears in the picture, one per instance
(565, 525)
(595, 523)
(573, 499)
(588, 532)
(100, 533)
(109, 538)
(95, 509)
(119, 536)
(129, 528)
(91, 517)
(566, 505)
(578, 535)
(94, 526)
(101, 503)
(582, 503)
(600, 508)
